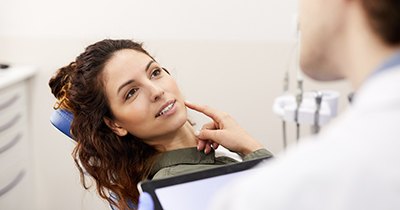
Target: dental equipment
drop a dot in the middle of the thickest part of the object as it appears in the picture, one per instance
(314, 108)
(350, 97)
(285, 91)
(318, 100)
(295, 27)
(299, 100)
(324, 105)
(299, 94)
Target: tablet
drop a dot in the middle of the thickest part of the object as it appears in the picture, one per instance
(196, 190)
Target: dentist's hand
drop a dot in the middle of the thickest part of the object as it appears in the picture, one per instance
(145, 202)
(225, 131)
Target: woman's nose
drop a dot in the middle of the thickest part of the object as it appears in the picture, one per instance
(156, 92)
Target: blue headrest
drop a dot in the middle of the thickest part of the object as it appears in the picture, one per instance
(62, 119)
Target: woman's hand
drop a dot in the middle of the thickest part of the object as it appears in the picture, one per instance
(224, 131)
(205, 145)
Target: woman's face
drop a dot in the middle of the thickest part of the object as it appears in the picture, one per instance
(143, 98)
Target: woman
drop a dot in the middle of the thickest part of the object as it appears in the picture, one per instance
(130, 120)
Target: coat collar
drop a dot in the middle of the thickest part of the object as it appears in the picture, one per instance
(389, 64)
(380, 92)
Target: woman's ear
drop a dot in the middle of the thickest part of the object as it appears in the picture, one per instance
(115, 127)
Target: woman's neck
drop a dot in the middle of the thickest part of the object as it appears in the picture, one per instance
(182, 138)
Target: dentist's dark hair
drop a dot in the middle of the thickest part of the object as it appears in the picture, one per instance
(115, 163)
(384, 19)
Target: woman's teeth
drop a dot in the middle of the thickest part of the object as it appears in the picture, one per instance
(166, 109)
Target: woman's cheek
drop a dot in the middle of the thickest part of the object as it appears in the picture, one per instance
(136, 112)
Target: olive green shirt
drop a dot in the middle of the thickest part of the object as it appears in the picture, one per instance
(188, 160)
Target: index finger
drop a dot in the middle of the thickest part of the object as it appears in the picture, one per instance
(208, 111)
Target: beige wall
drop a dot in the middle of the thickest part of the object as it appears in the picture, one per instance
(150, 19)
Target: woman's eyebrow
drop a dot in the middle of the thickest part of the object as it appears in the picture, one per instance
(131, 80)
(125, 84)
(148, 65)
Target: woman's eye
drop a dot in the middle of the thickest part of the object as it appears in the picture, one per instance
(130, 93)
(155, 73)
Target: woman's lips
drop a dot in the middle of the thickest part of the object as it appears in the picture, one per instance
(166, 108)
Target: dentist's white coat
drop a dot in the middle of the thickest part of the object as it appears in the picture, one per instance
(353, 164)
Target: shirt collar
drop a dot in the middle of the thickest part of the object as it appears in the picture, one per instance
(190, 156)
(392, 61)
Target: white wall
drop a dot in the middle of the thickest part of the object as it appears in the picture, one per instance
(229, 54)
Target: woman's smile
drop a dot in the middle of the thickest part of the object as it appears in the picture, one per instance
(167, 109)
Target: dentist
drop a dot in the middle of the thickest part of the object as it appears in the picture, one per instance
(354, 163)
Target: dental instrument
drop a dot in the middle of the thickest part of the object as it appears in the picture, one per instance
(318, 100)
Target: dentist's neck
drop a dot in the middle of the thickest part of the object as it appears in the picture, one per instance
(365, 50)
(182, 138)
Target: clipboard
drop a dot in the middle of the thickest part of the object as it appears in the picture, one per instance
(196, 190)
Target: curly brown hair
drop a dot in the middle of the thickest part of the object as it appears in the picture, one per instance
(116, 163)
(384, 18)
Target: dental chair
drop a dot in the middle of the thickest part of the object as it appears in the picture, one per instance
(62, 119)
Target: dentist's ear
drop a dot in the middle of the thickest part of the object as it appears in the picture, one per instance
(115, 127)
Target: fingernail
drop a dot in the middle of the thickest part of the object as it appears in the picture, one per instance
(196, 132)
